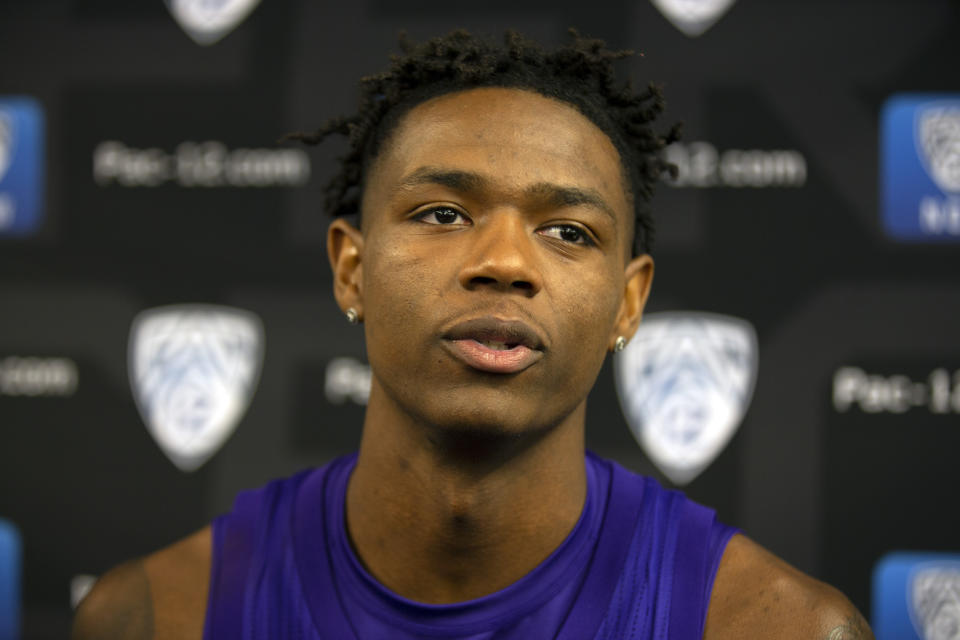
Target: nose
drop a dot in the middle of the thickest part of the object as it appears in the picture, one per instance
(501, 256)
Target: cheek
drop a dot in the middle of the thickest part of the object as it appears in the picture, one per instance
(592, 302)
(587, 314)
(397, 286)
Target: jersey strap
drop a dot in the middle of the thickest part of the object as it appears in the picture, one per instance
(691, 571)
(622, 513)
(234, 543)
(314, 548)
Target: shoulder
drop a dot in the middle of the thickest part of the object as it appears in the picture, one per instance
(163, 595)
(756, 594)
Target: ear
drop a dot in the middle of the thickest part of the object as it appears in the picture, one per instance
(638, 276)
(345, 251)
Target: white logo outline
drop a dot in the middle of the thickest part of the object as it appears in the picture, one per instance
(193, 370)
(685, 382)
(209, 21)
(933, 600)
(7, 141)
(937, 138)
(693, 17)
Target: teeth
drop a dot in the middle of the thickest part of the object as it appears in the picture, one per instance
(499, 346)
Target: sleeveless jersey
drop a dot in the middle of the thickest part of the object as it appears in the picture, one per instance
(638, 565)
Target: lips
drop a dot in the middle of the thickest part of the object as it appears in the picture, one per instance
(494, 346)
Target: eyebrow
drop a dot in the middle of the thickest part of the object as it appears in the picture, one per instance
(548, 193)
(458, 180)
(562, 196)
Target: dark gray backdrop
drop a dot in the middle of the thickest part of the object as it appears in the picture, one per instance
(806, 261)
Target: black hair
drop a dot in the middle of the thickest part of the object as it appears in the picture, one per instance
(581, 74)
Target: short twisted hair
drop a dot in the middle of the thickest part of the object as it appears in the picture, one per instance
(581, 74)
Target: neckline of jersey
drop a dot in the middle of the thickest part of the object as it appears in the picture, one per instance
(322, 527)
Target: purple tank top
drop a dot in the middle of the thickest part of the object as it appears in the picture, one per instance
(639, 564)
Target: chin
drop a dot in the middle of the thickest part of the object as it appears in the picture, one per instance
(481, 441)
(485, 412)
(503, 421)
(491, 418)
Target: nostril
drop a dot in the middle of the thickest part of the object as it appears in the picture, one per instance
(526, 287)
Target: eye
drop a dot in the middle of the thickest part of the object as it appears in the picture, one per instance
(442, 215)
(568, 233)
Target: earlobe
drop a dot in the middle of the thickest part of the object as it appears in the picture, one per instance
(345, 252)
(638, 277)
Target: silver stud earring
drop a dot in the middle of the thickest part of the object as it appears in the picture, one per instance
(352, 316)
(619, 344)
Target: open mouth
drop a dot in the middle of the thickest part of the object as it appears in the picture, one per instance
(493, 356)
(498, 346)
(493, 345)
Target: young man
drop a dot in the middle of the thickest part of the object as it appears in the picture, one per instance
(502, 252)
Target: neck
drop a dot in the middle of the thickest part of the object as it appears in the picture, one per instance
(439, 516)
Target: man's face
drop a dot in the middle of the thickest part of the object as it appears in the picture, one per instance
(494, 261)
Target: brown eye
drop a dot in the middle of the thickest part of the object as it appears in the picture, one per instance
(440, 215)
(568, 233)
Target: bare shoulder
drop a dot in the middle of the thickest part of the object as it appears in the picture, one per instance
(118, 606)
(756, 594)
(163, 595)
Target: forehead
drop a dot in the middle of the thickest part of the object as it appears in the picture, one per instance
(514, 137)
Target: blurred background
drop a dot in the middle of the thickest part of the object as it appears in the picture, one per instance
(818, 204)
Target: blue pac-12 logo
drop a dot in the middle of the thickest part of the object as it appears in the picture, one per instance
(916, 596)
(920, 167)
(21, 165)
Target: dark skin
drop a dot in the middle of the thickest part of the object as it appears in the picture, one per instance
(492, 203)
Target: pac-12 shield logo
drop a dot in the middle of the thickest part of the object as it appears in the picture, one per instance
(193, 370)
(208, 21)
(920, 167)
(935, 601)
(6, 143)
(938, 135)
(21, 165)
(685, 382)
(693, 17)
(917, 596)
